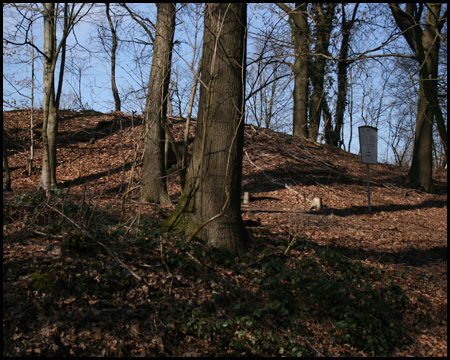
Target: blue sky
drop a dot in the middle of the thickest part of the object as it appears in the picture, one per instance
(87, 62)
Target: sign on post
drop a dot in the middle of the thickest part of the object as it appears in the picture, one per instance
(368, 146)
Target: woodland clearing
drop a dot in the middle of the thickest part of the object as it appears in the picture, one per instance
(88, 273)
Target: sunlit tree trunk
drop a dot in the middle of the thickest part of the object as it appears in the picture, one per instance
(50, 124)
(323, 14)
(113, 60)
(424, 42)
(63, 58)
(333, 135)
(154, 187)
(298, 21)
(210, 204)
(300, 32)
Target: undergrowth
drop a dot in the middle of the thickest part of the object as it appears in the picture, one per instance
(189, 296)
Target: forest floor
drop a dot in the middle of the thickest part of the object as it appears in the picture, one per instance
(88, 273)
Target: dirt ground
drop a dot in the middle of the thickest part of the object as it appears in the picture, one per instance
(99, 161)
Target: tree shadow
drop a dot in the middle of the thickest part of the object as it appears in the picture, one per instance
(411, 257)
(314, 176)
(99, 130)
(85, 179)
(356, 210)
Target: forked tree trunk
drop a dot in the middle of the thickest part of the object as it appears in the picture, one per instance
(210, 204)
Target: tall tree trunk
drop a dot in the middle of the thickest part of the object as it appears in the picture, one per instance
(324, 17)
(154, 187)
(333, 136)
(113, 60)
(298, 21)
(31, 158)
(425, 45)
(210, 204)
(300, 32)
(50, 124)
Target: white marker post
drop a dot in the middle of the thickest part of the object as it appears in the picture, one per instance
(368, 146)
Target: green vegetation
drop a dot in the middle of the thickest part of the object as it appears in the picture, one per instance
(267, 304)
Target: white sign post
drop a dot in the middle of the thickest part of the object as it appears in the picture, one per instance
(368, 147)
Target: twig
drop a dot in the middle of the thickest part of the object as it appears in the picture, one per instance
(312, 347)
(90, 236)
(119, 261)
(46, 234)
(168, 270)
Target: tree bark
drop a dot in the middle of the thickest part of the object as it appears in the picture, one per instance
(425, 45)
(113, 61)
(62, 64)
(210, 204)
(50, 124)
(5, 163)
(333, 136)
(300, 32)
(154, 187)
(298, 21)
(324, 17)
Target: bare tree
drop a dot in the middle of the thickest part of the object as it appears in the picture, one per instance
(114, 39)
(154, 183)
(50, 53)
(323, 15)
(424, 42)
(268, 75)
(210, 204)
(333, 136)
(298, 21)
(50, 120)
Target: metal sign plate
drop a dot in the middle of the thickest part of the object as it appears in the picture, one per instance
(368, 144)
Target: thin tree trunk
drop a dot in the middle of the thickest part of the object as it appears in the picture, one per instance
(5, 163)
(183, 170)
(63, 58)
(113, 61)
(31, 158)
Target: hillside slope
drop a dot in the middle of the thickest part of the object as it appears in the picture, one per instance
(99, 155)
